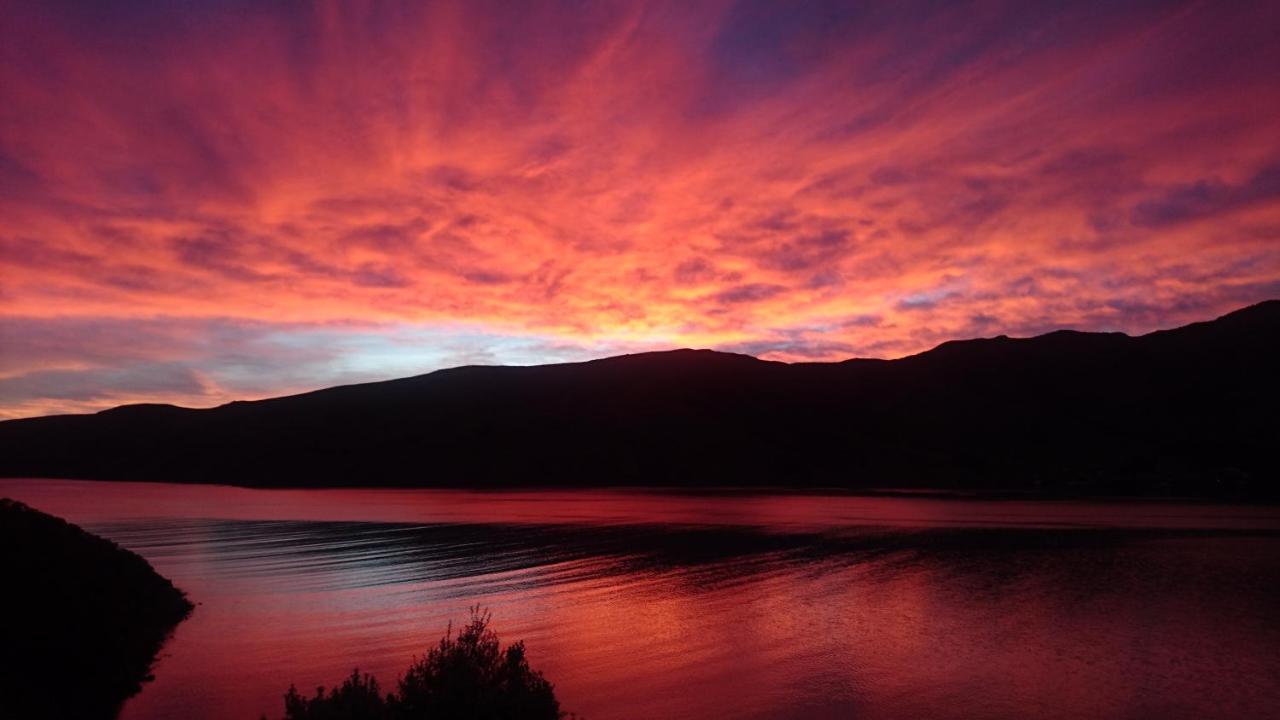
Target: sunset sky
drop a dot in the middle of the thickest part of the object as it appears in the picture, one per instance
(203, 201)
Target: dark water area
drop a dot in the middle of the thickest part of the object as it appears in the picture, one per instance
(647, 604)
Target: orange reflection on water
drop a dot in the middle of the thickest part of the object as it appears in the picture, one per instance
(706, 606)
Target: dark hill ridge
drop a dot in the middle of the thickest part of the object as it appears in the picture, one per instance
(1191, 410)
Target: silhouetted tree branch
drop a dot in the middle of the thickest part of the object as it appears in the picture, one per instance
(468, 676)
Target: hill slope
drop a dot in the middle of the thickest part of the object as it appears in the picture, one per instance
(81, 619)
(1191, 410)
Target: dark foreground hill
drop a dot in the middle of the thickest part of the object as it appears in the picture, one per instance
(1186, 411)
(81, 619)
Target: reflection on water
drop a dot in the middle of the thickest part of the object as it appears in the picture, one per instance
(655, 605)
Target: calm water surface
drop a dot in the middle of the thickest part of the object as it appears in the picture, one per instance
(652, 605)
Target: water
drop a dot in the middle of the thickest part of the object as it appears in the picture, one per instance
(652, 605)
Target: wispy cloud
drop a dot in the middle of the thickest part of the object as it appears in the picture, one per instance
(569, 179)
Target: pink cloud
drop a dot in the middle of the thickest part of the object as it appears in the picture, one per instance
(734, 175)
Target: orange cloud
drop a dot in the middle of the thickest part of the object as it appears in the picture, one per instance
(800, 182)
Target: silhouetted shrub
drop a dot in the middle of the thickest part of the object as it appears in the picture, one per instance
(357, 698)
(468, 676)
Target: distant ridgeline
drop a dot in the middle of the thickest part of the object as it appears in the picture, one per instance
(1186, 411)
(81, 619)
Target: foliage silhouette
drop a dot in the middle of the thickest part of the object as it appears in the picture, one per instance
(468, 676)
(358, 698)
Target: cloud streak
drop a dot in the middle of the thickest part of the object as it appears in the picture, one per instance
(620, 175)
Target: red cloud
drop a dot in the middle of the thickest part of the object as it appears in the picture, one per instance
(678, 174)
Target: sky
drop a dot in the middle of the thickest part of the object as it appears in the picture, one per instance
(213, 200)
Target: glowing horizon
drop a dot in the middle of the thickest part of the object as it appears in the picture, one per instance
(235, 200)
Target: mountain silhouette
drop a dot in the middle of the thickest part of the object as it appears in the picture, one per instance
(1194, 410)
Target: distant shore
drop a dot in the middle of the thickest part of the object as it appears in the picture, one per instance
(1182, 413)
